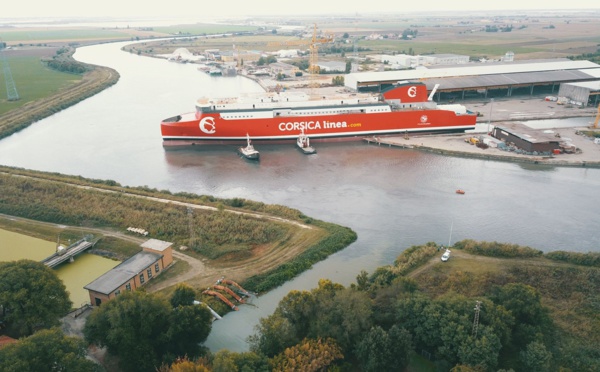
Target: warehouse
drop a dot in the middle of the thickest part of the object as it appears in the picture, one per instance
(584, 93)
(155, 257)
(526, 139)
(484, 80)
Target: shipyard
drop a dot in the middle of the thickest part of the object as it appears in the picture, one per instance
(299, 191)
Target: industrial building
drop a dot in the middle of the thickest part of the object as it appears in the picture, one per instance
(581, 93)
(156, 255)
(484, 80)
(526, 139)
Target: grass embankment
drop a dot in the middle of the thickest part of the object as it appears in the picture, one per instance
(44, 92)
(568, 283)
(236, 235)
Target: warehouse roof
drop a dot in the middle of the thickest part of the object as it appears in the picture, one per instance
(591, 85)
(499, 80)
(477, 70)
(528, 134)
(123, 272)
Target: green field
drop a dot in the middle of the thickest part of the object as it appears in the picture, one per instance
(32, 80)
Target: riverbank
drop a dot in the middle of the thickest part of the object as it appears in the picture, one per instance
(93, 82)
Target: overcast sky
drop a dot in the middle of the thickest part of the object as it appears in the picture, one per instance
(224, 8)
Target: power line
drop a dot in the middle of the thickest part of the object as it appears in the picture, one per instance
(11, 89)
(476, 319)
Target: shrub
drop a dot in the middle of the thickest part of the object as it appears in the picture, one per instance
(495, 249)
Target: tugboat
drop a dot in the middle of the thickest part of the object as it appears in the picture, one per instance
(249, 152)
(303, 143)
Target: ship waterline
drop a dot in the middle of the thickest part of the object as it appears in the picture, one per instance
(403, 108)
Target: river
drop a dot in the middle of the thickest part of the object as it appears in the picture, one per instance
(393, 198)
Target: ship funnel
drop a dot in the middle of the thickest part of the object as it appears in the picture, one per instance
(430, 98)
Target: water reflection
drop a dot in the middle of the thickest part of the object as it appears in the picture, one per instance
(538, 167)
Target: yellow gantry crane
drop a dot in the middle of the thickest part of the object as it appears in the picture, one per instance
(313, 45)
(595, 126)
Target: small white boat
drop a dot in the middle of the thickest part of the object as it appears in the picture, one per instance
(249, 152)
(303, 143)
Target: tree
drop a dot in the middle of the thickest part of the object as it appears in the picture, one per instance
(133, 326)
(227, 361)
(309, 355)
(535, 357)
(188, 326)
(184, 295)
(144, 330)
(337, 80)
(384, 351)
(298, 307)
(32, 296)
(344, 315)
(185, 365)
(481, 352)
(273, 334)
(46, 350)
(531, 318)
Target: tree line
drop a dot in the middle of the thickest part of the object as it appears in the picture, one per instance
(512, 318)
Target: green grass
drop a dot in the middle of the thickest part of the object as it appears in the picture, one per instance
(33, 81)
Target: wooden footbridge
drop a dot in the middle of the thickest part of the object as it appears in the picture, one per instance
(68, 253)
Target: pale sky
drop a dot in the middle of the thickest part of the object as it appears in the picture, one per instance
(222, 9)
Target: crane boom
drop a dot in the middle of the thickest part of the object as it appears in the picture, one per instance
(313, 46)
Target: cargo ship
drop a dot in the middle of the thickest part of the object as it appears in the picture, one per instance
(283, 116)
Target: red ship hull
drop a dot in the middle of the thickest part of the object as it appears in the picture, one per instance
(350, 125)
(224, 124)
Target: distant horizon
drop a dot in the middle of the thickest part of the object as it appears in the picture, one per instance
(135, 9)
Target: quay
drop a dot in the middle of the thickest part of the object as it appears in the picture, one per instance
(456, 145)
(68, 253)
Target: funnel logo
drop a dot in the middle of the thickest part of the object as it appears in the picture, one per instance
(207, 125)
(412, 92)
(424, 119)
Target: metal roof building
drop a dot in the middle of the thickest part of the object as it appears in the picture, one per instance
(156, 256)
(498, 79)
(581, 92)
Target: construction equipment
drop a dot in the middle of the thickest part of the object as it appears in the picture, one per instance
(313, 45)
(595, 125)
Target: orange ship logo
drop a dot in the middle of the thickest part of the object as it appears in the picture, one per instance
(207, 125)
(424, 119)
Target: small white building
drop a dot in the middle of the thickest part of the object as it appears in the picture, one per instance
(287, 53)
(401, 61)
(332, 66)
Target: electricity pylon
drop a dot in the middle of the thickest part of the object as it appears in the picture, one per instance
(11, 89)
